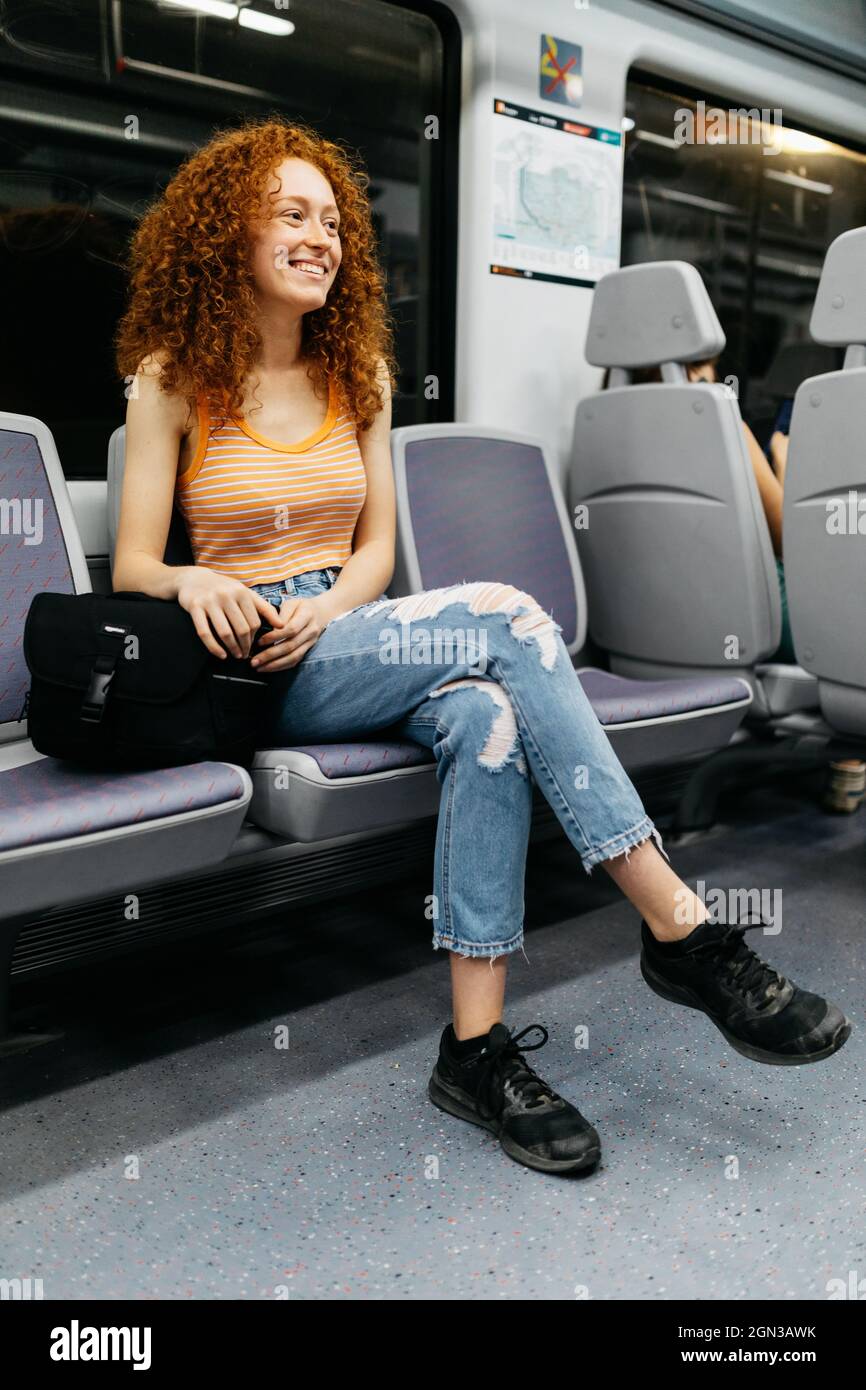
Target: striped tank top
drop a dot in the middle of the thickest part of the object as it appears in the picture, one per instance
(260, 511)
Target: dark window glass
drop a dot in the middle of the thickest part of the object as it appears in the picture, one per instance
(756, 225)
(101, 102)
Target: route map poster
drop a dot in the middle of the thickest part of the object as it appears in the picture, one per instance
(557, 196)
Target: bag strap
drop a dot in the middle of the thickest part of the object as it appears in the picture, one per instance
(109, 646)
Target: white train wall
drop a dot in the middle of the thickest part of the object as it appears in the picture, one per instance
(520, 342)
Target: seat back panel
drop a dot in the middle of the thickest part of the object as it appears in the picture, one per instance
(825, 547)
(476, 503)
(674, 545)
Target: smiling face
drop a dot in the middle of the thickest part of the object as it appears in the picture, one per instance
(296, 249)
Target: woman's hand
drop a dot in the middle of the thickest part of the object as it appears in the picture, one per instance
(299, 626)
(223, 608)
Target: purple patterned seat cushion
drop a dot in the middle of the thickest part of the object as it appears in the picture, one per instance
(337, 760)
(53, 800)
(620, 700)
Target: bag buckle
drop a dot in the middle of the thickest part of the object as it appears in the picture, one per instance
(102, 674)
(93, 704)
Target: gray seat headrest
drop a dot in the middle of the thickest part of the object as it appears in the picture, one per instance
(644, 315)
(839, 315)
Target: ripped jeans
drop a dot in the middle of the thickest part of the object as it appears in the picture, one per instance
(478, 673)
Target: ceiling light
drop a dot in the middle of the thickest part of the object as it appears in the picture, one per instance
(247, 18)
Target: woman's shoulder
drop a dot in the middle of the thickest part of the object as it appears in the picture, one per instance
(148, 392)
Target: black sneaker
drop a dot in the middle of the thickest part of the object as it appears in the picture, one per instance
(497, 1089)
(762, 1015)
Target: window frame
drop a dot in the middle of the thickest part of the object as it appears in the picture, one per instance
(785, 42)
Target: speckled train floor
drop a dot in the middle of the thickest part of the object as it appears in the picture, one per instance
(167, 1148)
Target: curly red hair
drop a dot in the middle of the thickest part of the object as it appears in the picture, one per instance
(191, 282)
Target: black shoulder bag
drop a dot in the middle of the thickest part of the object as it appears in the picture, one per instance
(124, 681)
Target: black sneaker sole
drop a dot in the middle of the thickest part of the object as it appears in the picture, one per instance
(446, 1100)
(679, 994)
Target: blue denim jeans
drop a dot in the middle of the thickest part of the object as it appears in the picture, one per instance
(478, 673)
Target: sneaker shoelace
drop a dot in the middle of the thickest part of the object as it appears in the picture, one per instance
(745, 968)
(504, 1060)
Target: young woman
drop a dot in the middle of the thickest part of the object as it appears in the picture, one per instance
(258, 353)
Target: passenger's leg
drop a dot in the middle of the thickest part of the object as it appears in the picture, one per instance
(561, 739)
(373, 666)
(477, 994)
(481, 842)
(481, 1074)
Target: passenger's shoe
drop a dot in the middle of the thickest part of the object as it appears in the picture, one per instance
(762, 1015)
(497, 1089)
(846, 786)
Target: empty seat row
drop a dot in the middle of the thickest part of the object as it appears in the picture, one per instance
(680, 571)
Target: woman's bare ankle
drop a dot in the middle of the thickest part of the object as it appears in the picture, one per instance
(668, 906)
(688, 913)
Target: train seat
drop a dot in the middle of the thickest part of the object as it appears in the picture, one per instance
(67, 833)
(501, 518)
(679, 566)
(825, 487)
(483, 502)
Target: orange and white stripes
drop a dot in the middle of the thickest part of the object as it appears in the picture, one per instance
(260, 511)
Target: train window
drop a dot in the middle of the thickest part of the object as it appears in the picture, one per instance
(101, 103)
(834, 34)
(754, 205)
